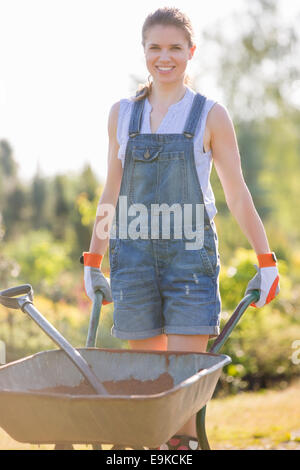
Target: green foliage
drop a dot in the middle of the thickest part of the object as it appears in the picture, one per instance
(7, 163)
(8, 267)
(41, 258)
(257, 75)
(261, 344)
(38, 197)
(23, 337)
(88, 208)
(281, 177)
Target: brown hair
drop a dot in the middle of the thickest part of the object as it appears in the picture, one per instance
(169, 16)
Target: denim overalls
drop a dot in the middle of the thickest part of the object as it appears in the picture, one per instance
(158, 285)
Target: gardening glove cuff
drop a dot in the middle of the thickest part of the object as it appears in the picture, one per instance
(94, 279)
(266, 281)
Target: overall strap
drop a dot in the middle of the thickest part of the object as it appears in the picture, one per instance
(194, 116)
(136, 118)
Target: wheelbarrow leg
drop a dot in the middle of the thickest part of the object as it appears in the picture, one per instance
(62, 446)
(97, 447)
(201, 432)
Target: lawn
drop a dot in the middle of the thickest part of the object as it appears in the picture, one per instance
(265, 419)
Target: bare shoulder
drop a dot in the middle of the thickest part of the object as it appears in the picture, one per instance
(114, 110)
(223, 139)
(218, 119)
(113, 119)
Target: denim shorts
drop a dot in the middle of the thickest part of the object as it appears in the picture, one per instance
(158, 287)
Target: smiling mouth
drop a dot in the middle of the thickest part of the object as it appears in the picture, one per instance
(165, 69)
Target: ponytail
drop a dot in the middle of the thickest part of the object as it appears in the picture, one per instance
(144, 90)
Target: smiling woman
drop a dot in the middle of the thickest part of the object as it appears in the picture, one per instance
(161, 146)
(167, 57)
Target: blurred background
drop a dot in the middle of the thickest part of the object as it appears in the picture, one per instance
(62, 66)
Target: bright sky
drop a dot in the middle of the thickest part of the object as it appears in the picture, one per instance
(63, 63)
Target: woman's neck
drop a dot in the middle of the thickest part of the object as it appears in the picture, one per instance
(164, 95)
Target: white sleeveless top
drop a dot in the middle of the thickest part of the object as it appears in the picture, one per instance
(173, 123)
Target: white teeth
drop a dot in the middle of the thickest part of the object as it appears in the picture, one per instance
(164, 68)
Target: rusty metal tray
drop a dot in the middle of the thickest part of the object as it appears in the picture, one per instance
(45, 399)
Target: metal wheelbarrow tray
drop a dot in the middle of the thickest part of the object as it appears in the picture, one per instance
(134, 398)
(169, 388)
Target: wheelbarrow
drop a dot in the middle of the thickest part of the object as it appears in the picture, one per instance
(129, 398)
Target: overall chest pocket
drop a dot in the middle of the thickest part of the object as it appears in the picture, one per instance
(172, 178)
(145, 154)
(144, 175)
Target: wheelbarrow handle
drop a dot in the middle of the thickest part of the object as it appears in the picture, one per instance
(94, 320)
(25, 303)
(8, 296)
(253, 296)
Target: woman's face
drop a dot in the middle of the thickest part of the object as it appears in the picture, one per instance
(167, 53)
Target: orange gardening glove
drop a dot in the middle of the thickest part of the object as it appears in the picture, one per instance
(266, 280)
(94, 279)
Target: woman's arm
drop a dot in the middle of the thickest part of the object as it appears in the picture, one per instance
(228, 166)
(112, 186)
(94, 279)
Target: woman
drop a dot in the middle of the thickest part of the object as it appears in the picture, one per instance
(161, 147)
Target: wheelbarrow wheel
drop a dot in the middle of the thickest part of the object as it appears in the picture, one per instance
(97, 447)
(117, 447)
(120, 447)
(61, 446)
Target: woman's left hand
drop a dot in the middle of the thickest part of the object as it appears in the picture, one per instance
(266, 280)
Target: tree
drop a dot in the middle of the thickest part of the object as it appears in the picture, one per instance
(15, 210)
(8, 267)
(61, 206)
(257, 75)
(86, 198)
(8, 170)
(255, 67)
(38, 200)
(7, 162)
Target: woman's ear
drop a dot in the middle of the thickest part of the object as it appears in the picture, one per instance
(192, 50)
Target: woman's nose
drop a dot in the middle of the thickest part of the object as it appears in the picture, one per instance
(164, 55)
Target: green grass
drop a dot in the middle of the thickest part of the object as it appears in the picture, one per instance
(254, 419)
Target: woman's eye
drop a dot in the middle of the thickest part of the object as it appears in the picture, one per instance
(155, 47)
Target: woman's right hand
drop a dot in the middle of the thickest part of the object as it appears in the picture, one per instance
(94, 279)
